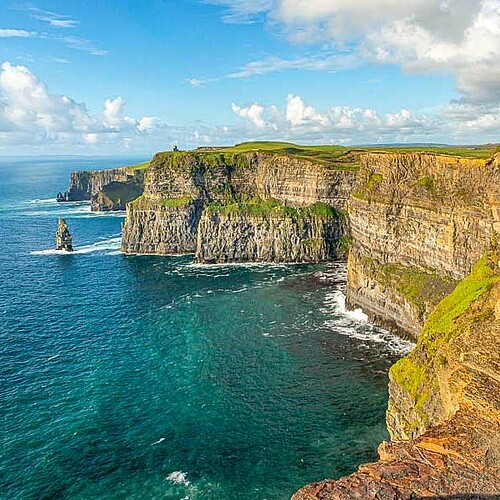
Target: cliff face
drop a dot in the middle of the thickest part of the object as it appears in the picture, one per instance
(419, 222)
(106, 189)
(241, 207)
(245, 238)
(445, 401)
(159, 229)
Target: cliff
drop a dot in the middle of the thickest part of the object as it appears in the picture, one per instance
(106, 189)
(237, 207)
(445, 402)
(418, 224)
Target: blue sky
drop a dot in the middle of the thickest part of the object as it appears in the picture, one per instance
(127, 76)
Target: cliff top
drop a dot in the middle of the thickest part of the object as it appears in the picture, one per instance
(337, 157)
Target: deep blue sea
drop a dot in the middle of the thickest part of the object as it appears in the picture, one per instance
(134, 377)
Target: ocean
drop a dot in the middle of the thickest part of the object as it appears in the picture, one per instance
(143, 377)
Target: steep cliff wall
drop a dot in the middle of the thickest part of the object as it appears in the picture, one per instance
(418, 222)
(445, 400)
(163, 228)
(243, 237)
(106, 189)
(249, 206)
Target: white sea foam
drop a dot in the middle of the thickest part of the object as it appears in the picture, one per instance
(38, 202)
(100, 246)
(355, 324)
(355, 314)
(178, 477)
(158, 442)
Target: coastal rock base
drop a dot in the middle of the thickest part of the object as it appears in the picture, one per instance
(458, 459)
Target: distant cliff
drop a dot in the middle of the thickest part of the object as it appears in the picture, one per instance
(106, 189)
(254, 206)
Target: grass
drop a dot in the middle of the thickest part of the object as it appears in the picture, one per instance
(143, 203)
(334, 157)
(257, 207)
(475, 152)
(416, 373)
(138, 166)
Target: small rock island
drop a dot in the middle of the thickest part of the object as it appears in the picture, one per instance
(64, 240)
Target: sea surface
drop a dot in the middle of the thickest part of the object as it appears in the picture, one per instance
(134, 377)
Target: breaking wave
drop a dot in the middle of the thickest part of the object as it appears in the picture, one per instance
(112, 244)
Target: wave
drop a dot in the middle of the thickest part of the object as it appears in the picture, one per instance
(100, 246)
(178, 477)
(39, 202)
(354, 324)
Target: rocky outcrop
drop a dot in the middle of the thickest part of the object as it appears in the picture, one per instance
(64, 240)
(444, 408)
(107, 189)
(418, 222)
(239, 207)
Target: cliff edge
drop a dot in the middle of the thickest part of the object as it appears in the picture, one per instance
(444, 408)
(418, 223)
(240, 207)
(107, 190)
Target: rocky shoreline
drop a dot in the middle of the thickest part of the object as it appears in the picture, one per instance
(421, 232)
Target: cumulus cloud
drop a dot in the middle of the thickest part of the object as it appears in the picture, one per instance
(298, 120)
(30, 113)
(253, 113)
(461, 37)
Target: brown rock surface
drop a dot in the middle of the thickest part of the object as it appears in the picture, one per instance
(426, 213)
(444, 398)
(223, 228)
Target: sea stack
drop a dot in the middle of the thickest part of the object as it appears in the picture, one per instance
(64, 240)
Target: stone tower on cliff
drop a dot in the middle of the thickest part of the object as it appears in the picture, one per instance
(64, 240)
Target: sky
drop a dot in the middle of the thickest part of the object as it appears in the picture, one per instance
(134, 77)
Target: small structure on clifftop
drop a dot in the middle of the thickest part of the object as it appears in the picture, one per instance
(64, 240)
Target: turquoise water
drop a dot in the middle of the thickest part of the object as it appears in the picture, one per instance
(125, 377)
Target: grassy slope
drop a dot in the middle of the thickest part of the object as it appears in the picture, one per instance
(139, 166)
(415, 373)
(326, 152)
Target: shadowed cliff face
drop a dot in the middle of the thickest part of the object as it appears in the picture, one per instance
(419, 222)
(108, 190)
(445, 398)
(240, 208)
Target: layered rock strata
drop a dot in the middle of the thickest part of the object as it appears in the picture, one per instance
(107, 189)
(418, 224)
(444, 408)
(241, 207)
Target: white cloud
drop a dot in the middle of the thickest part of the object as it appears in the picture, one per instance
(114, 114)
(319, 62)
(297, 113)
(31, 115)
(54, 19)
(461, 37)
(301, 121)
(253, 113)
(15, 33)
(147, 124)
